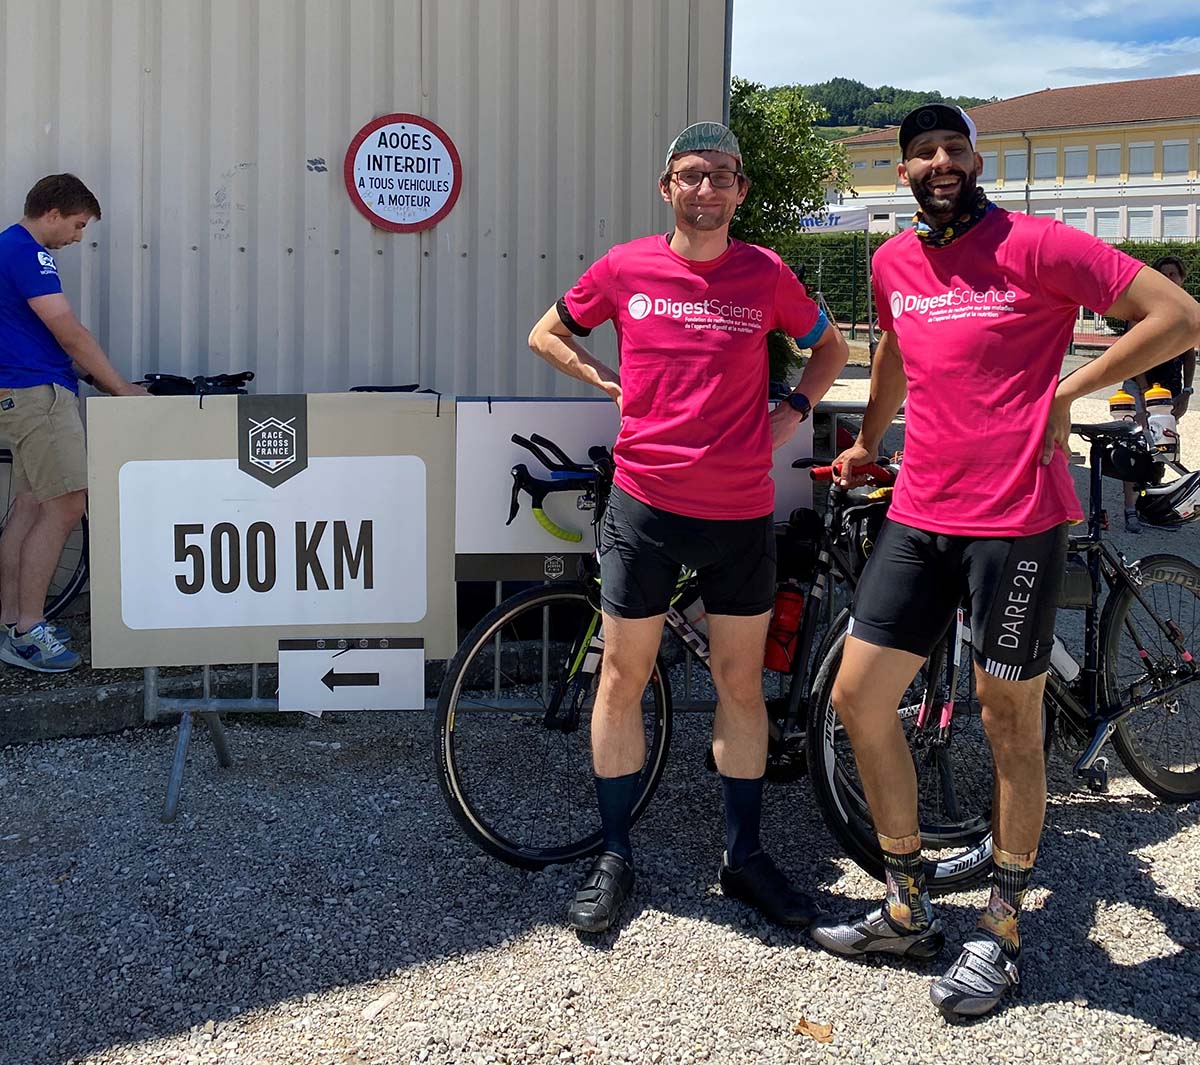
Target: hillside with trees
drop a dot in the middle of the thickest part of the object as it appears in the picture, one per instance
(851, 105)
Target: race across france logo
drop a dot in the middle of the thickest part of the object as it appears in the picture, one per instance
(49, 266)
(639, 306)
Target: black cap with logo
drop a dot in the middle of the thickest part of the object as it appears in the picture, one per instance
(935, 116)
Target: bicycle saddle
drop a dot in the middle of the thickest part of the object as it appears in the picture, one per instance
(1105, 429)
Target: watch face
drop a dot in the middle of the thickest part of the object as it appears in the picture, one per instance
(799, 403)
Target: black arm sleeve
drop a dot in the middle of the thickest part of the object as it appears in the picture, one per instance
(566, 319)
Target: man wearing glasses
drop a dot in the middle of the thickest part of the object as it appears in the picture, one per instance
(692, 310)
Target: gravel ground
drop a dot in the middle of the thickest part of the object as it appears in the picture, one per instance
(316, 904)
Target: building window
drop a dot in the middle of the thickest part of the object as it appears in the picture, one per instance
(903, 222)
(1108, 225)
(1141, 159)
(861, 164)
(1175, 158)
(1078, 219)
(883, 162)
(1015, 168)
(1175, 223)
(881, 218)
(1045, 164)
(1141, 224)
(989, 167)
(1076, 162)
(1108, 161)
(1051, 213)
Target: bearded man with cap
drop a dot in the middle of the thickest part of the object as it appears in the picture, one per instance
(692, 309)
(977, 307)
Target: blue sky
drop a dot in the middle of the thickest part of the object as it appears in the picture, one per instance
(1014, 47)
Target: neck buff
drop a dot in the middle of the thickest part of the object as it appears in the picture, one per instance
(956, 227)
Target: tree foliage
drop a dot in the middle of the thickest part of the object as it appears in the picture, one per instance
(851, 103)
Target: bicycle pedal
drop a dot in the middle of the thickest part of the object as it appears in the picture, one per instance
(1096, 777)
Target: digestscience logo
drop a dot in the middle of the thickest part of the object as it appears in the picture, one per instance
(699, 314)
(954, 303)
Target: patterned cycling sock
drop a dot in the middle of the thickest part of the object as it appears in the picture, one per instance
(616, 796)
(908, 904)
(743, 815)
(1010, 881)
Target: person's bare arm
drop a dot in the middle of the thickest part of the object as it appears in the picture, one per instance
(829, 356)
(555, 343)
(55, 312)
(889, 386)
(1166, 320)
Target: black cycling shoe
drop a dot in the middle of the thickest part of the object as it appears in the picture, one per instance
(760, 884)
(599, 899)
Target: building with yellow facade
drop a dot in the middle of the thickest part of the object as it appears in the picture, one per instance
(1118, 160)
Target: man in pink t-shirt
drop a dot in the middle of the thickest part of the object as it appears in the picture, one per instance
(692, 487)
(977, 307)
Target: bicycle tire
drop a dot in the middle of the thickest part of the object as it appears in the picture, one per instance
(521, 789)
(1171, 586)
(957, 849)
(71, 574)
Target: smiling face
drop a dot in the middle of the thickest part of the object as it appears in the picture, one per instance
(703, 207)
(942, 170)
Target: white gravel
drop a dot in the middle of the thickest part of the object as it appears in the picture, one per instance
(315, 904)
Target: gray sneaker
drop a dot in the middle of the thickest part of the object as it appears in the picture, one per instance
(1133, 524)
(876, 934)
(38, 650)
(977, 981)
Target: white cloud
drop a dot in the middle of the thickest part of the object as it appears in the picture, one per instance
(938, 45)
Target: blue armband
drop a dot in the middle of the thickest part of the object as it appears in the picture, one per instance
(815, 333)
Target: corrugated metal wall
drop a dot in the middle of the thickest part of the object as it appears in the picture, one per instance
(214, 132)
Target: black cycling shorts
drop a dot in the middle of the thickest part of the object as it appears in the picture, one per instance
(643, 548)
(914, 581)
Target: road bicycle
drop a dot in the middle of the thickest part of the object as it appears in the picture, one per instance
(512, 724)
(1136, 686)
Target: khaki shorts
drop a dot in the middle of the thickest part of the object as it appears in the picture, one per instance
(45, 432)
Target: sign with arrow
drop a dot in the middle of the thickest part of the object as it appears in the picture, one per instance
(352, 673)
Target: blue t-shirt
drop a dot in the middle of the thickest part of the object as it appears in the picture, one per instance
(29, 354)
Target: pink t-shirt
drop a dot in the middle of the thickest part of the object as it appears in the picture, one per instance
(983, 325)
(694, 435)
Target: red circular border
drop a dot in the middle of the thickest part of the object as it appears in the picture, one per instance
(348, 172)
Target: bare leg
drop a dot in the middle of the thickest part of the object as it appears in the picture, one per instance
(869, 686)
(740, 725)
(41, 549)
(22, 516)
(618, 739)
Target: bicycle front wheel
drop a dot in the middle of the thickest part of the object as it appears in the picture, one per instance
(513, 728)
(954, 778)
(1159, 742)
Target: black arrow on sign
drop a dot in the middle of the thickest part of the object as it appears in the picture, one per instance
(333, 680)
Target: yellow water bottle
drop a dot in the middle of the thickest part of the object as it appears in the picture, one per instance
(1122, 407)
(1160, 420)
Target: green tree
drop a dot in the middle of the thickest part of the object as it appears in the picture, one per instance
(790, 166)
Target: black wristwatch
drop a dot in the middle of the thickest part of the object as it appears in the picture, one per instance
(798, 401)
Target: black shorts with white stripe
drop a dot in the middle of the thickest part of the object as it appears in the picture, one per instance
(915, 580)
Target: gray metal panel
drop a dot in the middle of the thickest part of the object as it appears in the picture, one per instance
(214, 133)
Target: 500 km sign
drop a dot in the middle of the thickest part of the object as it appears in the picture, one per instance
(403, 173)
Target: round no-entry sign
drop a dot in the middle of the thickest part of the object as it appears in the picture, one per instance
(403, 173)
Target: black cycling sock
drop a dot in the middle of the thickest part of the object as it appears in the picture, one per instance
(743, 815)
(1010, 881)
(616, 796)
(908, 905)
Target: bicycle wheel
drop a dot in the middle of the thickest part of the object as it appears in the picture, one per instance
(71, 574)
(1160, 741)
(513, 729)
(954, 779)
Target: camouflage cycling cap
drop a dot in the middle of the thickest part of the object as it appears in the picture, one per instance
(705, 137)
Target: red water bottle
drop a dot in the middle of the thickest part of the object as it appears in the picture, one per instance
(783, 632)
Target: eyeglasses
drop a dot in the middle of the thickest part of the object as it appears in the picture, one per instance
(718, 179)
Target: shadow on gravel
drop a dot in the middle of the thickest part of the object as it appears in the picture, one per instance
(325, 859)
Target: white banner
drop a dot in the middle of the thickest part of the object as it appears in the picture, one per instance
(835, 219)
(203, 545)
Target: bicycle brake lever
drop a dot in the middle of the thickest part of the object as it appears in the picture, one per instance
(519, 473)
